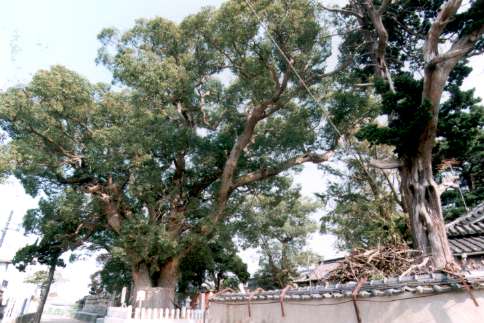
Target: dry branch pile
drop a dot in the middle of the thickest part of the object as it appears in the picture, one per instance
(384, 261)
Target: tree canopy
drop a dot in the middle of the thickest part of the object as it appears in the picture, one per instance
(397, 47)
(205, 109)
(278, 224)
(196, 139)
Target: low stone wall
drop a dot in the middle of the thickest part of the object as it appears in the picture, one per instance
(438, 299)
(95, 304)
(73, 312)
(87, 316)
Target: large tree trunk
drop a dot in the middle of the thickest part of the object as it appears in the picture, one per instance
(160, 292)
(141, 281)
(167, 283)
(422, 200)
(45, 294)
(420, 192)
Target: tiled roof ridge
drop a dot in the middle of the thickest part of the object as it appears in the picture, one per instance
(468, 215)
(414, 284)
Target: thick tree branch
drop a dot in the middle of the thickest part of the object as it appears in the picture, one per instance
(269, 172)
(75, 180)
(55, 145)
(243, 140)
(438, 67)
(381, 44)
(197, 188)
(451, 54)
(461, 47)
(431, 49)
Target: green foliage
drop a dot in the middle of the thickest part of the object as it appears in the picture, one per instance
(212, 261)
(38, 278)
(407, 116)
(41, 278)
(279, 224)
(149, 158)
(60, 222)
(6, 164)
(114, 275)
(362, 204)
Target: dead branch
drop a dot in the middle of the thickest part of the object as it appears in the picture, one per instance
(383, 261)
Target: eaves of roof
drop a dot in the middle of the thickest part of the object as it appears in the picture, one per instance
(416, 284)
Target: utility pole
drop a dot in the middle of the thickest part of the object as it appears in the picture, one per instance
(4, 231)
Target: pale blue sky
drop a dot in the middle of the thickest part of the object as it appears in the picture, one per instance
(36, 34)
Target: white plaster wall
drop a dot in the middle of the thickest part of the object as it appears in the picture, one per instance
(455, 307)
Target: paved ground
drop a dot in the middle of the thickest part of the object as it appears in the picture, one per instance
(58, 319)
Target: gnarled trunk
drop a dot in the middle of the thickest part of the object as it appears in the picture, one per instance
(423, 204)
(167, 283)
(141, 281)
(159, 287)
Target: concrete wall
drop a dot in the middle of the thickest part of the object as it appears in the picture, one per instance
(453, 307)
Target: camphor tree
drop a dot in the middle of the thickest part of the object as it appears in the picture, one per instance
(411, 50)
(61, 223)
(164, 161)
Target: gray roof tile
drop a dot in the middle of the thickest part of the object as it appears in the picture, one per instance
(422, 284)
(466, 233)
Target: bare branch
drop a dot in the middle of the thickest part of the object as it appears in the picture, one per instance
(448, 11)
(345, 12)
(393, 189)
(381, 43)
(386, 164)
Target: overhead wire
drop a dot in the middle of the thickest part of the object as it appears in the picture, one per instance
(345, 141)
(290, 64)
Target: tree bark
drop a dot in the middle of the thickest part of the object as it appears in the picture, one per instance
(423, 204)
(160, 291)
(141, 281)
(45, 294)
(420, 193)
(167, 283)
